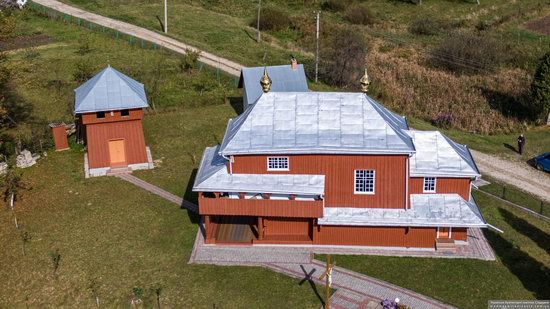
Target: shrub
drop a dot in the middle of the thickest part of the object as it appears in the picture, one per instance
(83, 71)
(468, 53)
(344, 58)
(359, 14)
(189, 60)
(423, 26)
(272, 19)
(443, 120)
(335, 5)
(540, 88)
(7, 26)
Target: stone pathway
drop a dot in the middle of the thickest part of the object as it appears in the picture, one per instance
(212, 60)
(158, 191)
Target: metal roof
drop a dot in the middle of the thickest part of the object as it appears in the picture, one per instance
(316, 122)
(283, 79)
(214, 177)
(438, 155)
(427, 210)
(109, 90)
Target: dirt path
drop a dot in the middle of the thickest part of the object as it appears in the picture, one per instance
(518, 174)
(223, 64)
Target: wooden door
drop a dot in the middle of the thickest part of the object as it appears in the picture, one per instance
(117, 153)
(444, 232)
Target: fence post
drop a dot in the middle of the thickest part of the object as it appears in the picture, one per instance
(503, 192)
(541, 206)
(131, 40)
(142, 44)
(78, 21)
(117, 35)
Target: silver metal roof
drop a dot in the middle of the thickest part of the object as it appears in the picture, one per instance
(427, 210)
(316, 122)
(283, 79)
(109, 90)
(438, 155)
(214, 177)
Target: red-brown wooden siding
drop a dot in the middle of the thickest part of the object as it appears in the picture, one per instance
(269, 208)
(286, 226)
(461, 186)
(90, 118)
(375, 236)
(339, 174)
(459, 234)
(60, 137)
(98, 136)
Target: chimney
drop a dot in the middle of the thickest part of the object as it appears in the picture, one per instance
(265, 81)
(293, 63)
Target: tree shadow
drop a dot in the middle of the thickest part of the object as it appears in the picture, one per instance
(509, 105)
(309, 278)
(534, 275)
(192, 197)
(541, 238)
(237, 104)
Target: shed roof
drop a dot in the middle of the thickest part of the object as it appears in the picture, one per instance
(214, 177)
(283, 79)
(109, 90)
(438, 155)
(427, 210)
(316, 122)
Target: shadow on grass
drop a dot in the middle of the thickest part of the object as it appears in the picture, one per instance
(237, 104)
(191, 197)
(534, 275)
(506, 145)
(509, 105)
(541, 238)
(309, 279)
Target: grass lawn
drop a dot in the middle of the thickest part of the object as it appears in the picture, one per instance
(522, 269)
(111, 234)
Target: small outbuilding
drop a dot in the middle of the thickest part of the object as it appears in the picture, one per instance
(109, 108)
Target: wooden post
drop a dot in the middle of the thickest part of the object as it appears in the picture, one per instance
(260, 228)
(541, 206)
(327, 275)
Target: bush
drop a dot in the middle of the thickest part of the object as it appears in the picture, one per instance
(7, 26)
(444, 121)
(83, 71)
(344, 58)
(359, 14)
(272, 19)
(470, 54)
(335, 5)
(189, 60)
(424, 26)
(540, 89)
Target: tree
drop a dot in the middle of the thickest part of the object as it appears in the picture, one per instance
(540, 88)
(345, 58)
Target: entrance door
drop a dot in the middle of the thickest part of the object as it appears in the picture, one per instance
(444, 232)
(117, 153)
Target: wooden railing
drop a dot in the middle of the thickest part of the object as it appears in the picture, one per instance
(260, 207)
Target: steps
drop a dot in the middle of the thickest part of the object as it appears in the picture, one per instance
(445, 245)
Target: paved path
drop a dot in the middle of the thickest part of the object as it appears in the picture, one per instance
(518, 174)
(158, 191)
(223, 64)
(353, 290)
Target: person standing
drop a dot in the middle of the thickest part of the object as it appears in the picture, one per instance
(521, 143)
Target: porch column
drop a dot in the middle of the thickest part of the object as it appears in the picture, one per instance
(208, 230)
(260, 228)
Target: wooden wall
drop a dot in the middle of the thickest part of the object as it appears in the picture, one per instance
(461, 186)
(98, 136)
(375, 236)
(390, 176)
(287, 226)
(135, 114)
(459, 234)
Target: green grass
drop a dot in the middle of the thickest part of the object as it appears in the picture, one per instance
(520, 272)
(106, 230)
(516, 196)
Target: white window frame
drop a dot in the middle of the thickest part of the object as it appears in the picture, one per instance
(450, 232)
(424, 185)
(276, 168)
(373, 182)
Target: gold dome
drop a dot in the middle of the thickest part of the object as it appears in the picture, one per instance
(365, 82)
(265, 81)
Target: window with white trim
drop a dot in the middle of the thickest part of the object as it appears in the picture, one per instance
(429, 184)
(277, 163)
(364, 182)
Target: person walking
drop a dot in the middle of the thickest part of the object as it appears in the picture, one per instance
(521, 143)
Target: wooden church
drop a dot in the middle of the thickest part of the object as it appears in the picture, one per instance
(109, 108)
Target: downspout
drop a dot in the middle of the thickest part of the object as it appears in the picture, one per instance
(407, 182)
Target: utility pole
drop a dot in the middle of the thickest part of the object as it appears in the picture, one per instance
(165, 16)
(317, 47)
(258, 24)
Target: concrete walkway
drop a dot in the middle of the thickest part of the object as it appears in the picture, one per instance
(223, 64)
(158, 191)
